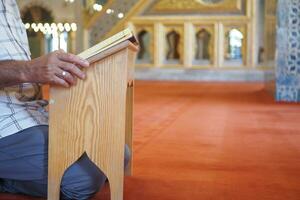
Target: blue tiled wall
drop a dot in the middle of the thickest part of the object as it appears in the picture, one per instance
(288, 51)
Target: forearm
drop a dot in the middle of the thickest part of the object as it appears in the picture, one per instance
(56, 68)
(13, 72)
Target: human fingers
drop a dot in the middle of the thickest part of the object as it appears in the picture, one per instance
(66, 76)
(59, 81)
(73, 69)
(71, 58)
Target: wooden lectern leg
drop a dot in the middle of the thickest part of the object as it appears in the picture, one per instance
(112, 164)
(58, 161)
(129, 125)
(54, 185)
(116, 183)
(114, 171)
(55, 173)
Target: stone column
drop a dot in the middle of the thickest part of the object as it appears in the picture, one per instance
(288, 51)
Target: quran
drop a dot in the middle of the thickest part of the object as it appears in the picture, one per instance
(122, 36)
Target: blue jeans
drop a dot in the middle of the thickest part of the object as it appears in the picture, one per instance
(24, 167)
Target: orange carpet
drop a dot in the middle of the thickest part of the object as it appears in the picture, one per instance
(211, 142)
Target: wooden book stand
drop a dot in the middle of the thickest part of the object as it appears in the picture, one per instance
(94, 117)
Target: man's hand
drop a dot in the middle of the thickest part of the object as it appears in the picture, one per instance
(58, 68)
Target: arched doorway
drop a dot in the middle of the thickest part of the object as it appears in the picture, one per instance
(235, 45)
(144, 40)
(35, 16)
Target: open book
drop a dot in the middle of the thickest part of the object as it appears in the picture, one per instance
(122, 36)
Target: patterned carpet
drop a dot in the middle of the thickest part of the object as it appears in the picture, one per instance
(211, 141)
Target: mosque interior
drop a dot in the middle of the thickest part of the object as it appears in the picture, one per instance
(217, 91)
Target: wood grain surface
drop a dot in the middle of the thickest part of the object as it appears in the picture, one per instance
(91, 118)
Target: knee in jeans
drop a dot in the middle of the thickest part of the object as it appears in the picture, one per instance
(127, 156)
(84, 188)
(40, 136)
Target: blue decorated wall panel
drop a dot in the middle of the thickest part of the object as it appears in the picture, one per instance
(288, 51)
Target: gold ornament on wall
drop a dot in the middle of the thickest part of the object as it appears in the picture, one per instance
(210, 2)
(203, 6)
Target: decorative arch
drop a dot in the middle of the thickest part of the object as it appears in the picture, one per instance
(144, 40)
(173, 41)
(36, 14)
(235, 44)
(203, 40)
